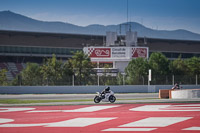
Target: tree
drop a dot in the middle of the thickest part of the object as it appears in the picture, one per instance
(30, 75)
(193, 65)
(51, 70)
(136, 69)
(120, 78)
(106, 78)
(178, 66)
(3, 78)
(82, 67)
(159, 65)
(67, 73)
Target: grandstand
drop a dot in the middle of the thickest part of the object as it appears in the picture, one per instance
(18, 47)
(13, 68)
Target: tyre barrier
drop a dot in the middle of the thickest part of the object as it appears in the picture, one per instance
(165, 93)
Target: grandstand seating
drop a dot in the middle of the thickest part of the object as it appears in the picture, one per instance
(19, 66)
(3, 66)
(12, 66)
(12, 69)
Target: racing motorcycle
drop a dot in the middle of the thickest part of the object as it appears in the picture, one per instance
(107, 97)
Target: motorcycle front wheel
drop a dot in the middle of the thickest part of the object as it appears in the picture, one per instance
(112, 99)
(97, 99)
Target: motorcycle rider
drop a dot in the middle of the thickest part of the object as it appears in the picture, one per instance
(176, 86)
(106, 90)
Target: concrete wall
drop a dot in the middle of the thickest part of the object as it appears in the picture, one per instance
(86, 89)
(185, 94)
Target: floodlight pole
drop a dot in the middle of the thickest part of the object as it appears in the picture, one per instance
(127, 11)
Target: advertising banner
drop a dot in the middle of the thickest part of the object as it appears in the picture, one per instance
(116, 52)
(139, 52)
(99, 52)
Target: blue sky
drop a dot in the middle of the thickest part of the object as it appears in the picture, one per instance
(156, 14)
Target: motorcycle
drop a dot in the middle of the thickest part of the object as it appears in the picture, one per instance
(176, 87)
(107, 97)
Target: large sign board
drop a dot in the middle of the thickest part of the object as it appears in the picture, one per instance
(116, 52)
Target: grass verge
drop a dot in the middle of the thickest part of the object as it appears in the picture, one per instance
(17, 101)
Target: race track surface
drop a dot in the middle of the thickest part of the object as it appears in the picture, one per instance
(115, 118)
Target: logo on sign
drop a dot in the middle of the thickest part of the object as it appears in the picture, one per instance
(102, 52)
(139, 52)
(99, 52)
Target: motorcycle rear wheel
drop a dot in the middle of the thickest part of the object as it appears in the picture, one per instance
(112, 99)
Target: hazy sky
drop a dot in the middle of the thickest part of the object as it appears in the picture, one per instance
(156, 14)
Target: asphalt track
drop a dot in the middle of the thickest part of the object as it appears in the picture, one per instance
(121, 99)
(75, 96)
(108, 118)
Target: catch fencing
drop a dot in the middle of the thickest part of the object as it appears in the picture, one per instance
(112, 80)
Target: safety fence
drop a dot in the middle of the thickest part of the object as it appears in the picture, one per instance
(111, 80)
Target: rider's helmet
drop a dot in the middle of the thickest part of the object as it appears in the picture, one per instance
(107, 88)
(177, 84)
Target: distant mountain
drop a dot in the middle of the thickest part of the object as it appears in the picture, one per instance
(12, 21)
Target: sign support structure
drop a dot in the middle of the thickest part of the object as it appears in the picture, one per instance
(149, 77)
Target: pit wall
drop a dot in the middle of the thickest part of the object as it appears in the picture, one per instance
(86, 89)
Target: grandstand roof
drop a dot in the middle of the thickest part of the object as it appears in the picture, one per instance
(28, 39)
(22, 38)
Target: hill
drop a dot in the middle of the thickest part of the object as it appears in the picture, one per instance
(13, 21)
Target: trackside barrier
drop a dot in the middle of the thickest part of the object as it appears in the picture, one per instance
(164, 93)
(185, 94)
(86, 89)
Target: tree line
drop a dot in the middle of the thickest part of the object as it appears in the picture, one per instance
(53, 72)
(162, 68)
(79, 69)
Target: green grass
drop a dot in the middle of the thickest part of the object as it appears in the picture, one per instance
(17, 101)
(139, 99)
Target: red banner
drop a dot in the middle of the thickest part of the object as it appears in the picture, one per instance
(139, 52)
(99, 52)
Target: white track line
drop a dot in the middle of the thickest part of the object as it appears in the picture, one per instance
(85, 109)
(156, 122)
(77, 122)
(14, 109)
(91, 109)
(165, 108)
(192, 128)
(129, 129)
(3, 120)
